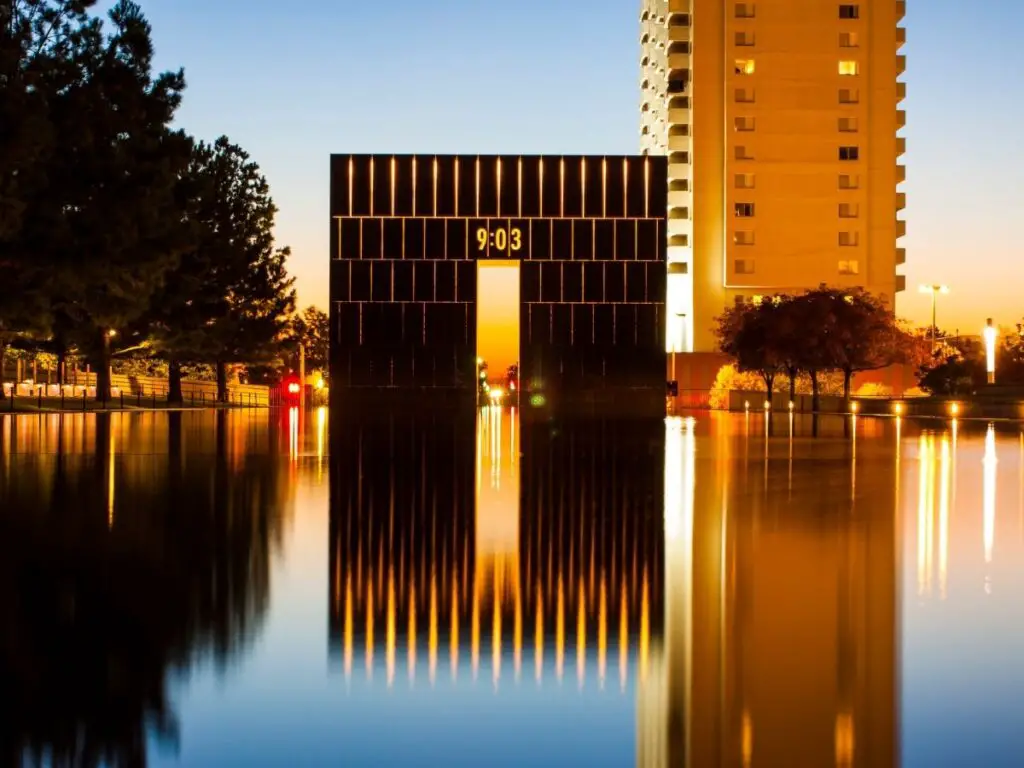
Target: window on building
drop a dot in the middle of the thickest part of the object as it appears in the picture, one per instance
(848, 125)
(745, 10)
(743, 237)
(849, 96)
(849, 210)
(744, 95)
(744, 210)
(743, 267)
(745, 181)
(744, 153)
(848, 181)
(745, 39)
(849, 40)
(849, 153)
(849, 239)
(849, 68)
(745, 66)
(851, 267)
(744, 123)
(849, 11)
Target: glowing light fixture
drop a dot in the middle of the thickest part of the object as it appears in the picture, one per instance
(990, 350)
(746, 405)
(898, 408)
(854, 407)
(792, 405)
(767, 405)
(934, 290)
(954, 409)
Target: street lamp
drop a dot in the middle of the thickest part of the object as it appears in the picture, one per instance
(990, 351)
(934, 290)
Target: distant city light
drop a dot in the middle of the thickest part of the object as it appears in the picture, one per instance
(854, 406)
(990, 351)
(898, 408)
(954, 409)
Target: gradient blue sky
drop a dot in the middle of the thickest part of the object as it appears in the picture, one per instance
(293, 83)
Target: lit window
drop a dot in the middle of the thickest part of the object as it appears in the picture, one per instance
(744, 153)
(744, 95)
(849, 11)
(744, 210)
(847, 181)
(848, 125)
(849, 68)
(849, 239)
(848, 96)
(743, 267)
(849, 210)
(744, 123)
(848, 40)
(744, 10)
(849, 153)
(745, 39)
(745, 181)
(851, 267)
(743, 237)
(745, 66)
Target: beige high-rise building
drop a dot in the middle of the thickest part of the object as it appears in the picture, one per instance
(780, 119)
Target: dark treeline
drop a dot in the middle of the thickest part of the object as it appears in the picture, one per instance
(117, 230)
(818, 332)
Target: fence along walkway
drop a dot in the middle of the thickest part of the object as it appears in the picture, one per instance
(84, 384)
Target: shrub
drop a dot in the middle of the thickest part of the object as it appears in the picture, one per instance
(874, 389)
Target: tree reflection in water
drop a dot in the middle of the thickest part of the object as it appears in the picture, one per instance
(131, 548)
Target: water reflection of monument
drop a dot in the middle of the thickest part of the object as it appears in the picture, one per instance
(750, 609)
(780, 611)
(453, 554)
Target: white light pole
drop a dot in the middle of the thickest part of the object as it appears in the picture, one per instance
(934, 290)
(990, 350)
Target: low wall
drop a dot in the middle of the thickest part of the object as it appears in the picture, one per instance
(919, 407)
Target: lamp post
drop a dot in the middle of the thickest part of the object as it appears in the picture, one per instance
(990, 334)
(934, 290)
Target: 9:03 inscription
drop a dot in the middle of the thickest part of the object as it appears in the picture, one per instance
(498, 238)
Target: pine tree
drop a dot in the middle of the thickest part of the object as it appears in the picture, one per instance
(228, 299)
(106, 224)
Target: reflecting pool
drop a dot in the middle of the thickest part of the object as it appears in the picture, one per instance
(465, 588)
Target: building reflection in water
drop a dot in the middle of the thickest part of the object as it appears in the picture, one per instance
(780, 619)
(131, 546)
(750, 611)
(509, 548)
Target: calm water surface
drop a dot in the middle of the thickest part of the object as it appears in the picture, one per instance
(200, 589)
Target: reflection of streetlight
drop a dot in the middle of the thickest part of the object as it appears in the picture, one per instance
(990, 351)
(934, 290)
